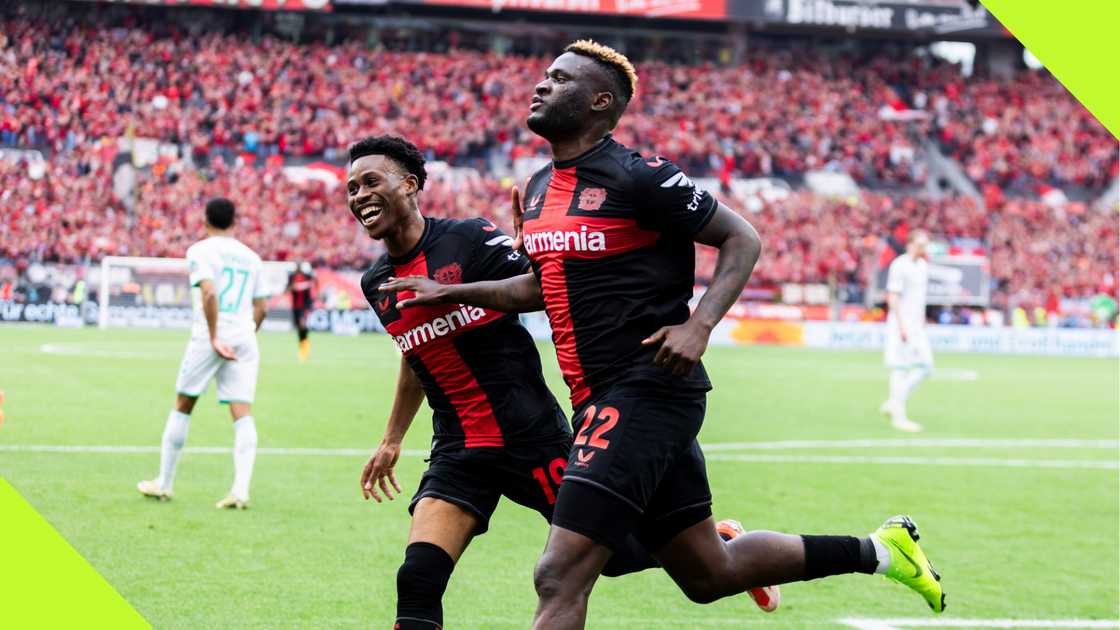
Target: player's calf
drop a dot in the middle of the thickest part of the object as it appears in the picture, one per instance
(421, 582)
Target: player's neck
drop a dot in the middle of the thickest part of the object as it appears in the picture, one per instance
(404, 239)
(212, 232)
(563, 150)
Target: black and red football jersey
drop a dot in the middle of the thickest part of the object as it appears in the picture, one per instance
(479, 368)
(301, 286)
(610, 236)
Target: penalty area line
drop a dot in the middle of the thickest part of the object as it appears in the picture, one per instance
(925, 622)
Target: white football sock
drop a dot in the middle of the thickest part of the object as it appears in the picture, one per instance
(898, 390)
(914, 377)
(244, 454)
(174, 437)
(882, 554)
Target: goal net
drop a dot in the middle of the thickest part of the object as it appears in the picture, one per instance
(156, 293)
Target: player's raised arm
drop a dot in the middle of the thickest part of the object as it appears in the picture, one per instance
(519, 294)
(378, 471)
(210, 310)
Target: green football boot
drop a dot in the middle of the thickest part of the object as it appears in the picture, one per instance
(909, 565)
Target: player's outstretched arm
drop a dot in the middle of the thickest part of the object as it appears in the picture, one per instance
(519, 294)
(739, 248)
(378, 471)
(210, 310)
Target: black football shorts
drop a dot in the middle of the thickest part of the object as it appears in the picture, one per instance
(475, 478)
(635, 466)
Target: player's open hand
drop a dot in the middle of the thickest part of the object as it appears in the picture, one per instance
(223, 350)
(427, 291)
(681, 346)
(518, 218)
(378, 472)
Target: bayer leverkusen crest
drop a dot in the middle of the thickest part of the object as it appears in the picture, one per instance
(449, 274)
(592, 198)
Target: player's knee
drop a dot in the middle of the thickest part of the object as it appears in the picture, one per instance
(422, 577)
(548, 578)
(702, 590)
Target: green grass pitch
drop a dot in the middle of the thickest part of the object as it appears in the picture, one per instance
(1018, 531)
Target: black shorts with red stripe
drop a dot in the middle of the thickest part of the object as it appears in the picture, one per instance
(635, 466)
(475, 478)
(479, 368)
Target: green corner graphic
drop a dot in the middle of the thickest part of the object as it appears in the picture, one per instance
(1078, 44)
(45, 583)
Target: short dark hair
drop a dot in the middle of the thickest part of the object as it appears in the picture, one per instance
(219, 213)
(395, 148)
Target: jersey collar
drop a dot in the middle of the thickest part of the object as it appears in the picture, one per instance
(602, 144)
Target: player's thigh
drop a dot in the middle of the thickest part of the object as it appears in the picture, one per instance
(200, 363)
(922, 351)
(237, 380)
(447, 525)
(682, 499)
(893, 349)
(570, 564)
(464, 479)
(531, 475)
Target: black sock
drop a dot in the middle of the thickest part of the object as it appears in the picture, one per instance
(421, 581)
(836, 555)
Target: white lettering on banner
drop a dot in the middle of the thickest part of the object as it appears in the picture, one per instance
(564, 241)
(45, 313)
(438, 327)
(576, 6)
(1036, 341)
(827, 13)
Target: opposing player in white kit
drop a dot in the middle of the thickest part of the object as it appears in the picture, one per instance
(229, 305)
(907, 352)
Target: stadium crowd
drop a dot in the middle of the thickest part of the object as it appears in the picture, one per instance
(1036, 249)
(65, 83)
(74, 87)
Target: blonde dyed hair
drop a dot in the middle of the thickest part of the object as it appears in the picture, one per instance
(609, 57)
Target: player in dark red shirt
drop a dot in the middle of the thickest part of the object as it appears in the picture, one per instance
(497, 430)
(301, 287)
(610, 236)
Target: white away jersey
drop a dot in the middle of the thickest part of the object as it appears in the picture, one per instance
(235, 271)
(908, 278)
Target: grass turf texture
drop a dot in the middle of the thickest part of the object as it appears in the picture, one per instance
(1011, 542)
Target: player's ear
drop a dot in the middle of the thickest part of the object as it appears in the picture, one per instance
(411, 184)
(602, 101)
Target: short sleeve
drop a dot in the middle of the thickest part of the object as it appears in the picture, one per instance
(198, 265)
(370, 283)
(895, 276)
(667, 200)
(493, 257)
(260, 287)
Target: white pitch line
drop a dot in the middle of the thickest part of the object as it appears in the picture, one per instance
(201, 450)
(925, 622)
(918, 461)
(731, 457)
(914, 443)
